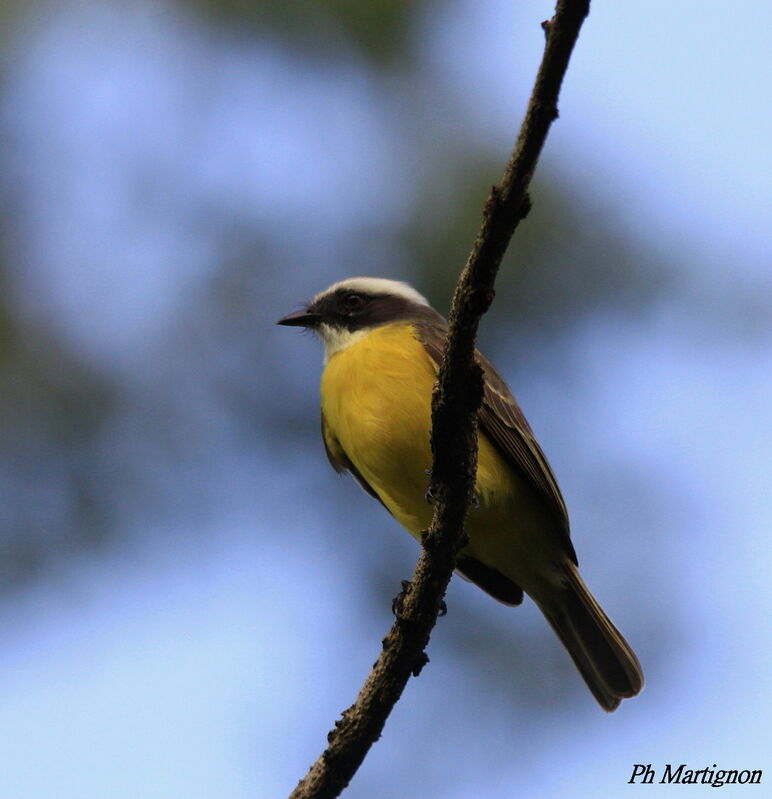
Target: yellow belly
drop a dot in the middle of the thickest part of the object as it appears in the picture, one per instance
(376, 400)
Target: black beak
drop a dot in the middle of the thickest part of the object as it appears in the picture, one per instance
(302, 318)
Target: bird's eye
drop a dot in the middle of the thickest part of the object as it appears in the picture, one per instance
(353, 302)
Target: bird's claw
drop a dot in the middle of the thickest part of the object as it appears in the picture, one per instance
(399, 600)
(430, 497)
(429, 494)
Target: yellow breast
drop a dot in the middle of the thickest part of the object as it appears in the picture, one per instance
(376, 400)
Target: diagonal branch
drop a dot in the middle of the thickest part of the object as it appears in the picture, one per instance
(456, 400)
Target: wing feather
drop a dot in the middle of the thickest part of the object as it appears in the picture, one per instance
(503, 422)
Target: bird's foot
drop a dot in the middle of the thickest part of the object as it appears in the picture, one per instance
(399, 600)
(429, 495)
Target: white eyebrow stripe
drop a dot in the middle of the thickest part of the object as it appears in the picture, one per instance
(376, 285)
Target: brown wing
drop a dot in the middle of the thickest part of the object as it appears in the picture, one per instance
(340, 461)
(503, 422)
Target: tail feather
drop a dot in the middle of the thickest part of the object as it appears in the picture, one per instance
(604, 659)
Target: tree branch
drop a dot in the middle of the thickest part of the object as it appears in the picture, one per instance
(455, 403)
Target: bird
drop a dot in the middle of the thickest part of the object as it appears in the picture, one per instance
(383, 344)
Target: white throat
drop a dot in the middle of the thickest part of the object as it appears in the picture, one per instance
(336, 339)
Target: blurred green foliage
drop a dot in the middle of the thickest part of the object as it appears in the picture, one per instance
(378, 29)
(569, 259)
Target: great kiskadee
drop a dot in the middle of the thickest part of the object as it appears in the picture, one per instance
(382, 348)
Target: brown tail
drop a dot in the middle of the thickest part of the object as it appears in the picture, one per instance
(603, 657)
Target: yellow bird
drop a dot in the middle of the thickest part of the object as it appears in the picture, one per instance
(382, 348)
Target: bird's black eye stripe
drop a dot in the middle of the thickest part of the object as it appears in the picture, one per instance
(353, 301)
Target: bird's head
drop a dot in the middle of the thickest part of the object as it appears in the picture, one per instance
(347, 310)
